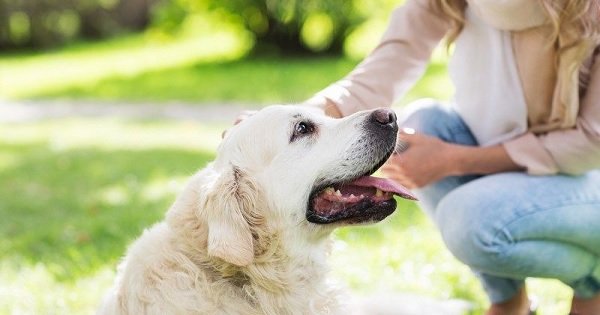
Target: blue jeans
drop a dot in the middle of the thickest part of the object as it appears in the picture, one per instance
(510, 226)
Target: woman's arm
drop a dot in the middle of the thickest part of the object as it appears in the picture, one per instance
(429, 159)
(570, 151)
(480, 160)
(414, 30)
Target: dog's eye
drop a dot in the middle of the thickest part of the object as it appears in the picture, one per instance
(302, 128)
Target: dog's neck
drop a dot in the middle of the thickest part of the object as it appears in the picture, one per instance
(290, 277)
(285, 275)
(288, 270)
(295, 274)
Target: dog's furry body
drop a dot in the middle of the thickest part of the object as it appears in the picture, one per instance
(236, 240)
(168, 271)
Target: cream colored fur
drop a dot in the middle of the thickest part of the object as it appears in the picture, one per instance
(236, 240)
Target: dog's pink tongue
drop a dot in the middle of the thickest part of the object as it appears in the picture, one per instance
(384, 184)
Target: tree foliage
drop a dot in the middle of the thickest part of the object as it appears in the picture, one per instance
(48, 23)
(296, 25)
(283, 25)
(320, 26)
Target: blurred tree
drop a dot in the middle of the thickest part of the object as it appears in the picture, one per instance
(110, 17)
(296, 25)
(290, 26)
(47, 23)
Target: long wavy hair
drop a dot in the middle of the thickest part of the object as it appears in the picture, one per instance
(580, 19)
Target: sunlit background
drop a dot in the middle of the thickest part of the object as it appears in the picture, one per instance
(108, 106)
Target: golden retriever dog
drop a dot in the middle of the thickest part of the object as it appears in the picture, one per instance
(249, 234)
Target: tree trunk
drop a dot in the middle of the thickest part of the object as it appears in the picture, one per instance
(134, 14)
(4, 26)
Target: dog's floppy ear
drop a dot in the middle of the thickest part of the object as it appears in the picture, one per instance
(230, 210)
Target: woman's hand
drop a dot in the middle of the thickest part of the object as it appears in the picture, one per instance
(241, 116)
(427, 160)
(329, 108)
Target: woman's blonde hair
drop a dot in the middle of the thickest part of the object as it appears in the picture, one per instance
(455, 11)
(579, 19)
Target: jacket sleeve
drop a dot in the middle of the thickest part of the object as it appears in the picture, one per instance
(570, 151)
(414, 30)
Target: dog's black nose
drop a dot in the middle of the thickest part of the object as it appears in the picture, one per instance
(381, 127)
(384, 116)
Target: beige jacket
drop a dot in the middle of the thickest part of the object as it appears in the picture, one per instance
(550, 145)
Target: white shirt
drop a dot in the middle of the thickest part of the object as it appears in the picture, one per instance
(484, 72)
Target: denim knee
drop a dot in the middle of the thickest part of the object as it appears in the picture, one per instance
(513, 225)
(468, 236)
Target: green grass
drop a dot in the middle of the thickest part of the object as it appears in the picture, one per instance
(76, 192)
(197, 70)
(252, 80)
(26, 75)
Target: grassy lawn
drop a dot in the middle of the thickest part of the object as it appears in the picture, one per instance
(75, 192)
(196, 70)
(254, 81)
(28, 75)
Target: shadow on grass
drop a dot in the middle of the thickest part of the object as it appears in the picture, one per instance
(77, 210)
(252, 80)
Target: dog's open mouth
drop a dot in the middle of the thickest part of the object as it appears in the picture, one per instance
(365, 199)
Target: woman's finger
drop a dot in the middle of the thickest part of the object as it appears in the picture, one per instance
(243, 115)
(403, 180)
(408, 131)
(393, 162)
(240, 117)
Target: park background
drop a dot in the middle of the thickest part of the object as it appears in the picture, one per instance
(108, 106)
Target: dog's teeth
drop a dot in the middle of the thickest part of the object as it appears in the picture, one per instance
(338, 193)
(378, 193)
(329, 190)
(352, 196)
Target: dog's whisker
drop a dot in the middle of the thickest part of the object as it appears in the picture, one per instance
(401, 146)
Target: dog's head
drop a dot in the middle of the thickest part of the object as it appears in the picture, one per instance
(292, 167)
